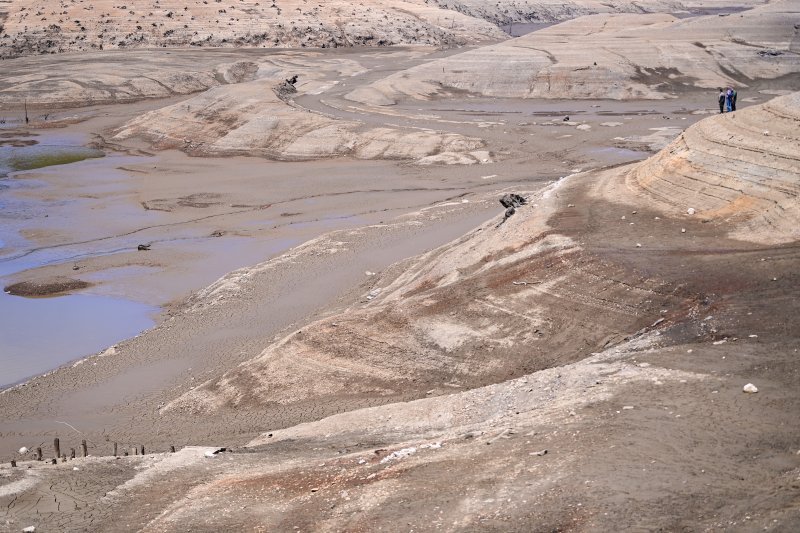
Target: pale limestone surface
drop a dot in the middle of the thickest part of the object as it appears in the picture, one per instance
(742, 168)
(632, 57)
(250, 119)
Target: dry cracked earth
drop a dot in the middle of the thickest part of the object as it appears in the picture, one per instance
(579, 366)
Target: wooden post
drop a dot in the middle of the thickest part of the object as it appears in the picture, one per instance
(38, 454)
(172, 449)
(84, 451)
(142, 449)
(72, 453)
(57, 447)
(13, 463)
(26, 111)
(115, 449)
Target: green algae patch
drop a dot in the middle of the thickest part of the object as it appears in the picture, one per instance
(48, 156)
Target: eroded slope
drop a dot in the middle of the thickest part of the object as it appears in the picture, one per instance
(741, 168)
(491, 305)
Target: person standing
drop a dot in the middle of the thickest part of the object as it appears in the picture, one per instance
(733, 100)
(721, 99)
(729, 100)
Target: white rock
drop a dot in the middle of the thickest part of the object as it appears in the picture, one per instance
(29, 529)
(627, 407)
(399, 454)
(23, 450)
(690, 211)
(750, 388)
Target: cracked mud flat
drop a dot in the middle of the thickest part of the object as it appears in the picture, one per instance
(579, 367)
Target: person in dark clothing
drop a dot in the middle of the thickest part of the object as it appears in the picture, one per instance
(729, 100)
(733, 100)
(721, 99)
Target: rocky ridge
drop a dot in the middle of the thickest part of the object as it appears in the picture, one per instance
(741, 167)
(257, 118)
(633, 57)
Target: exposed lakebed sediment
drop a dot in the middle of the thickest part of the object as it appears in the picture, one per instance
(389, 331)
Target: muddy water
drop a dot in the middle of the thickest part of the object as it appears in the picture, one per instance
(39, 334)
(202, 218)
(26, 151)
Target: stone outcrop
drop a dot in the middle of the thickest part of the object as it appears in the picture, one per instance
(46, 26)
(632, 57)
(252, 119)
(740, 168)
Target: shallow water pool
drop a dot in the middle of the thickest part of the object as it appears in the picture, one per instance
(39, 334)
